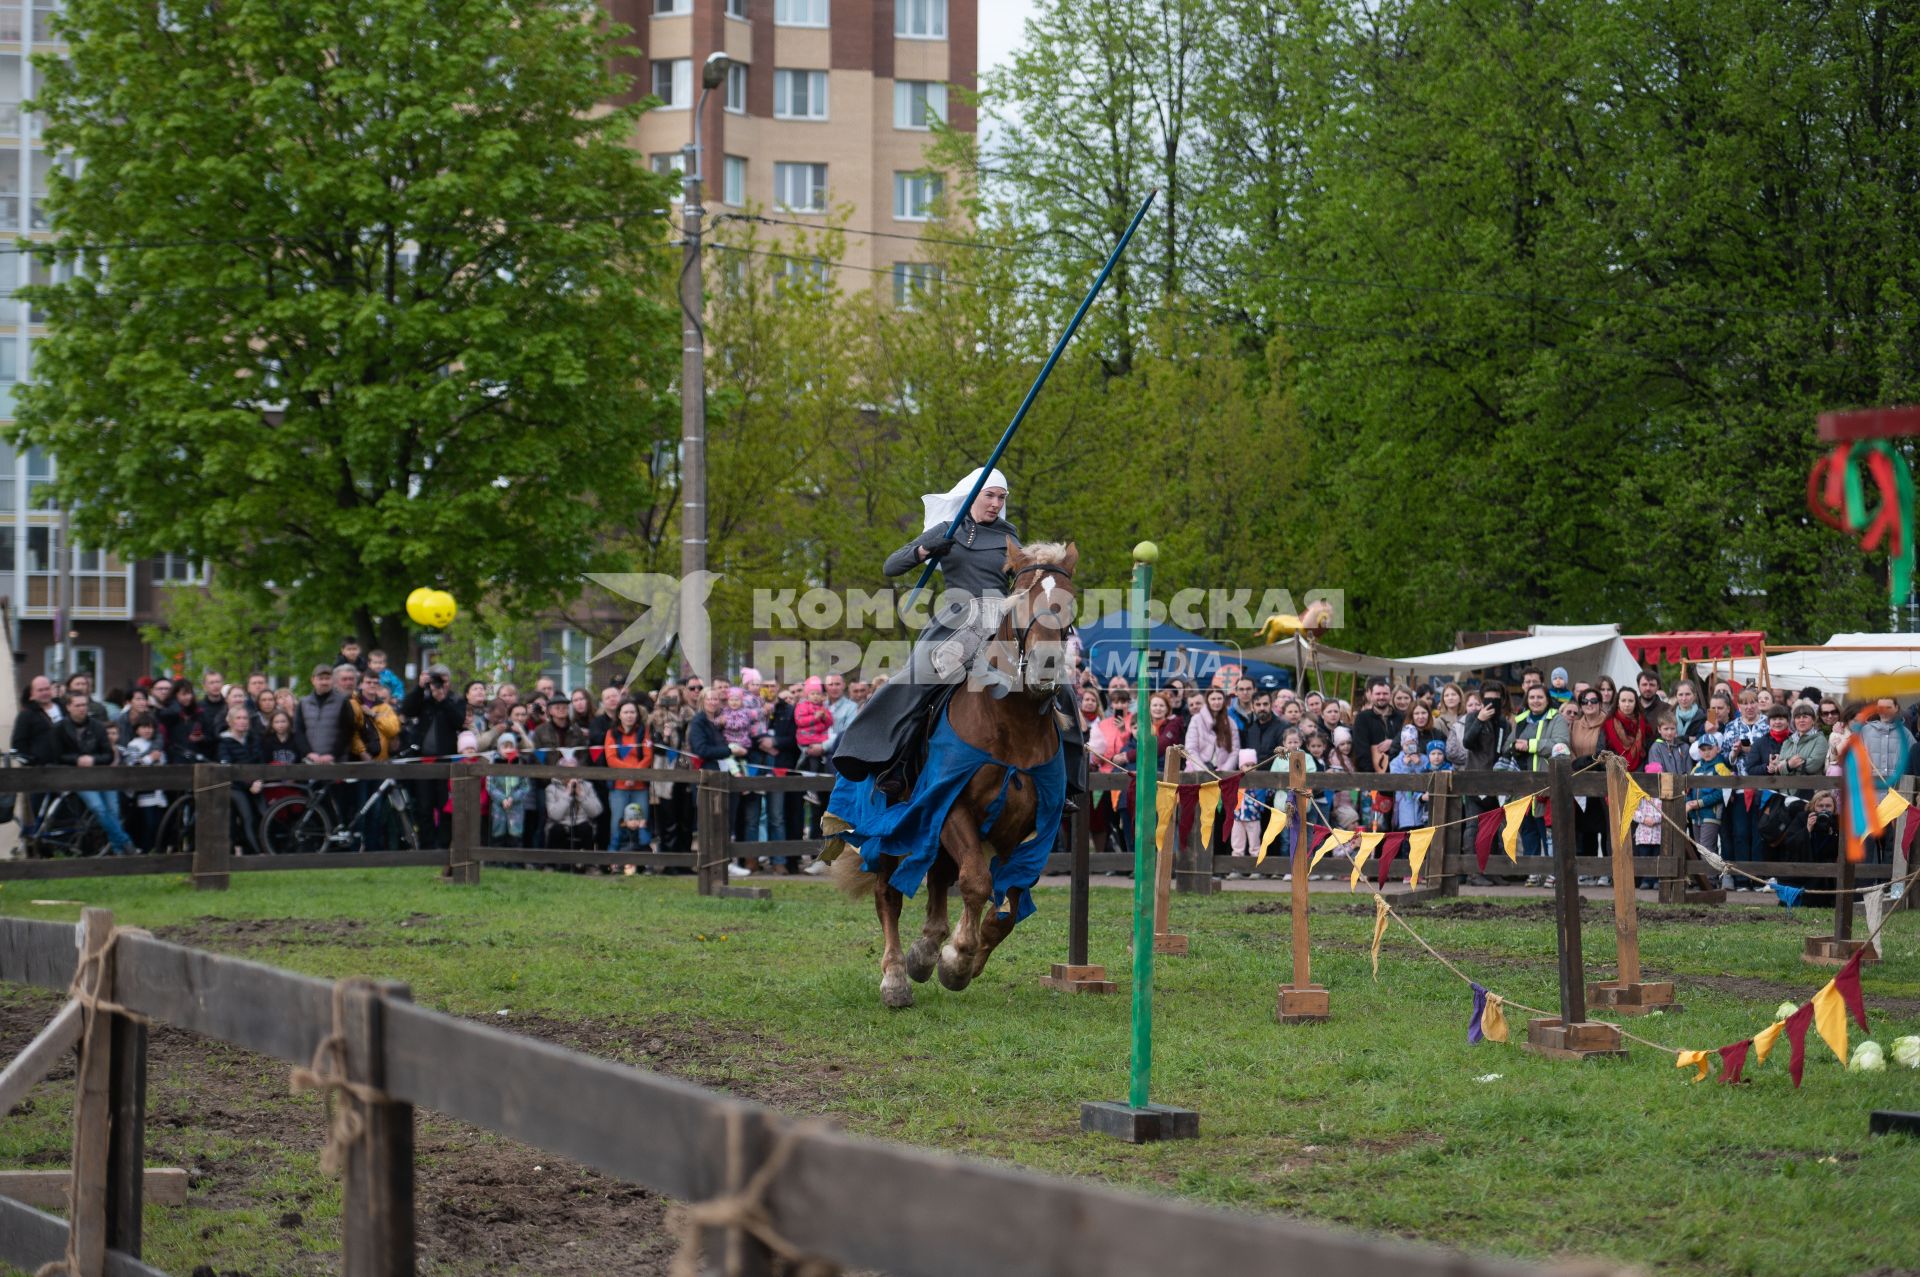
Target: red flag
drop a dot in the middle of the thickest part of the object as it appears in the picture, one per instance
(1189, 809)
(779, 771)
(1732, 1060)
(1906, 840)
(1486, 833)
(1390, 846)
(1797, 1025)
(1229, 797)
(595, 753)
(1847, 982)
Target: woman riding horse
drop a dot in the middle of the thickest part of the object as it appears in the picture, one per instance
(884, 740)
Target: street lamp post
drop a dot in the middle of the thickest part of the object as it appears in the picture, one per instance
(694, 638)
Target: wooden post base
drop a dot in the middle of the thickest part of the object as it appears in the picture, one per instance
(1139, 1126)
(465, 874)
(1171, 943)
(1580, 1041)
(1825, 951)
(1892, 1121)
(1632, 999)
(1303, 1004)
(1083, 979)
(47, 1190)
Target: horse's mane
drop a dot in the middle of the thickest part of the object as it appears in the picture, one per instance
(1043, 552)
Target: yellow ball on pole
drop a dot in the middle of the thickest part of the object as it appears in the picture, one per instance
(417, 604)
(440, 609)
(1146, 552)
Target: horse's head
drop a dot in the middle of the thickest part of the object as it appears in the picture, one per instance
(1040, 613)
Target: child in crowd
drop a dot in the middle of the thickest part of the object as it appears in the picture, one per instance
(1669, 753)
(1559, 691)
(1409, 806)
(510, 796)
(145, 750)
(1704, 808)
(1646, 823)
(812, 719)
(738, 723)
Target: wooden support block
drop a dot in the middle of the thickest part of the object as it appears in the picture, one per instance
(47, 1190)
(1139, 1126)
(1307, 1004)
(1825, 951)
(1893, 1122)
(1634, 998)
(1581, 1040)
(1070, 978)
(1176, 945)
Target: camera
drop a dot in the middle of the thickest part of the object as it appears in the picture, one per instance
(437, 679)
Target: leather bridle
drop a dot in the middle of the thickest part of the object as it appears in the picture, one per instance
(1026, 631)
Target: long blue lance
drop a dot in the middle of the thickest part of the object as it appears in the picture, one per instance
(1046, 369)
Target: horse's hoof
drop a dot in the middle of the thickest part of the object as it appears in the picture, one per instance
(896, 993)
(921, 960)
(955, 978)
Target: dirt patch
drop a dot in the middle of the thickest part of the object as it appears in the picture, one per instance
(484, 1203)
(208, 932)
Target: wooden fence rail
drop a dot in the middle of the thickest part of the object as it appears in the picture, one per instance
(1197, 864)
(853, 1202)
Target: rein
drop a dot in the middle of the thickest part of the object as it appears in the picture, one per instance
(1026, 631)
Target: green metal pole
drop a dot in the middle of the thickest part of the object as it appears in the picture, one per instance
(1145, 824)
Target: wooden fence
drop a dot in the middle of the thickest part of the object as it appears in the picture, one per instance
(1196, 864)
(847, 1201)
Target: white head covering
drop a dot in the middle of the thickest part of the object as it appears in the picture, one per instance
(944, 507)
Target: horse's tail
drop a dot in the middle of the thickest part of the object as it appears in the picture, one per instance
(851, 878)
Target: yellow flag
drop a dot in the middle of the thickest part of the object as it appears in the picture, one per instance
(1209, 804)
(1276, 822)
(1516, 812)
(1830, 1019)
(1628, 807)
(1166, 803)
(1338, 838)
(1763, 1040)
(1369, 843)
(1379, 930)
(1893, 806)
(1419, 842)
(1493, 1021)
(1693, 1059)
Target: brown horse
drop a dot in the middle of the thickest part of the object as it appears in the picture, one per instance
(1019, 728)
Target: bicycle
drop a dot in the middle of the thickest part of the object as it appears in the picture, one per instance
(301, 824)
(64, 827)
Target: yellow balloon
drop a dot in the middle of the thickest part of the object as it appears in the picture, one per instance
(417, 604)
(440, 609)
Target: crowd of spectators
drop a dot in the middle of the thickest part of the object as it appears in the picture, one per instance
(358, 709)
(1236, 724)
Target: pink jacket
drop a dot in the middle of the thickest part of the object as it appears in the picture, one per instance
(812, 724)
(1204, 752)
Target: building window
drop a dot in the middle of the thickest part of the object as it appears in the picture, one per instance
(914, 195)
(564, 655)
(810, 274)
(918, 103)
(800, 188)
(9, 193)
(800, 95)
(10, 94)
(737, 9)
(6, 491)
(920, 19)
(43, 11)
(673, 83)
(180, 569)
(737, 88)
(800, 13)
(910, 279)
(39, 479)
(671, 8)
(733, 181)
(10, 28)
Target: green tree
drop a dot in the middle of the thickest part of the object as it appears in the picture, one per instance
(352, 297)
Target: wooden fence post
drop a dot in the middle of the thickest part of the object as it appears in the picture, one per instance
(1570, 1035)
(212, 827)
(1193, 856)
(466, 786)
(376, 1193)
(1626, 993)
(93, 1113)
(127, 1133)
(1445, 811)
(1301, 1001)
(710, 832)
(1076, 974)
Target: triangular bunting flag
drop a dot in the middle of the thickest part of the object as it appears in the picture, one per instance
(1763, 1040)
(1389, 851)
(1628, 807)
(1893, 805)
(1732, 1060)
(1230, 795)
(1208, 803)
(1276, 825)
(1788, 896)
(1189, 806)
(1419, 842)
(1516, 812)
(1493, 1020)
(1474, 1032)
(1830, 1019)
(1693, 1059)
(1484, 833)
(1847, 982)
(1797, 1025)
(1335, 838)
(1379, 930)
(1165, 803)
(1369, 843)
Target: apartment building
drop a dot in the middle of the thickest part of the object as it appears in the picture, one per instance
(826, 106)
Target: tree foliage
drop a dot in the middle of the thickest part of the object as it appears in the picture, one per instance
(353, 297)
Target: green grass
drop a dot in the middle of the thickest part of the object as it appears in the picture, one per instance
(1378, 1120)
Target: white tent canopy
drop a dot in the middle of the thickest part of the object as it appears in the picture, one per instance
(1843, 657)
(1587, 652)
